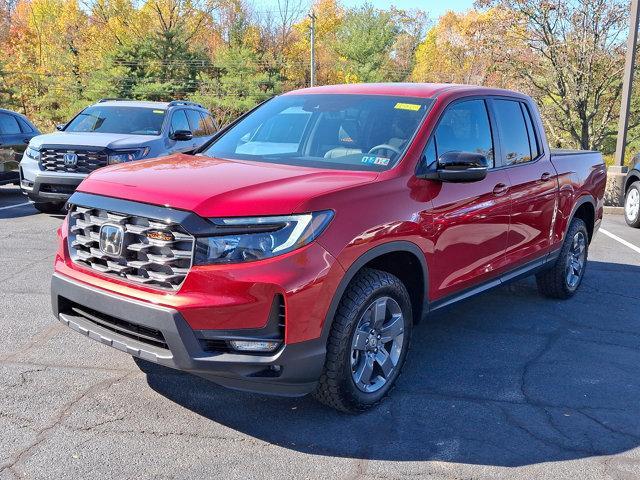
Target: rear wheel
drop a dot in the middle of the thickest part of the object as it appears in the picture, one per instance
(49, 207)
(368, 342)
(632, 205)
(564, 278)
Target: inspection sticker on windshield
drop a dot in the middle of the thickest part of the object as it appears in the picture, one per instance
(373, 160)
(414, 107)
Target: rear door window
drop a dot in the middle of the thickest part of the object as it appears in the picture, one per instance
(514, 137)
(9, 125)
(533, 137)
(209, 123)
(26, 128)
(465, 127)
(198, 127)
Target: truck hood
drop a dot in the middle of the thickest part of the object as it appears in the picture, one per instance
(113, 141)
(213, 187)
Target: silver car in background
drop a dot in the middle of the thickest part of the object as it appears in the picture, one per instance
(107, 133)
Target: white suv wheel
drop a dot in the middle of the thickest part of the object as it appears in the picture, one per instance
(632, 205)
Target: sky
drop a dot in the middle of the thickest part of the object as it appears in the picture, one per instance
(434, 8)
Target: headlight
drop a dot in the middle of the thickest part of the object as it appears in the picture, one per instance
(257, 238)
(32, 153)
(127, 156)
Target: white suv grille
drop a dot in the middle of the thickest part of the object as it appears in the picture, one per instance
(157, 262)
(52, 160)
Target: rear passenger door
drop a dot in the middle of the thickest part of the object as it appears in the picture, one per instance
(198, 127)
(533, 179)
(469, 221)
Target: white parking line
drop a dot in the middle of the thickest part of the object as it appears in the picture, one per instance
(621, 240)
(15, 206)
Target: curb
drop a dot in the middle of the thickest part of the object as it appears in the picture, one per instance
(614, 210)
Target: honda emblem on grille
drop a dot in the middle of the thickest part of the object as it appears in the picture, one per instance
(70, 159)
(111, 239)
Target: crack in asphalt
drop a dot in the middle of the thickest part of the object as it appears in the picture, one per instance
(44, 433)
(63, 366)
(40, 337)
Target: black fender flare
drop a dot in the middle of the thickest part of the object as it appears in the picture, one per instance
(586, 198)
(361, 261)
(627, 181)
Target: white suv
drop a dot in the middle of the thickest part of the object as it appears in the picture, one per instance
(109, 132)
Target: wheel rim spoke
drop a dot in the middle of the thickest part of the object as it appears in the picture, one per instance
(384, 360)
(365, 370)
(379, 312)
(360, 340)
(393, 329)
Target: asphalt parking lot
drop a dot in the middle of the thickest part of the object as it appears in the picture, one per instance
(506, 385)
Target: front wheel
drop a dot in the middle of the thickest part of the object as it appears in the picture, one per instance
(368, 342)
(563, 279)
(632, 205)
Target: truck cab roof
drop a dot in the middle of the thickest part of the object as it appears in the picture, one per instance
(416, 90)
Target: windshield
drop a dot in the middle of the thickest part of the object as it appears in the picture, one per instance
(350, 132)
(129, 120)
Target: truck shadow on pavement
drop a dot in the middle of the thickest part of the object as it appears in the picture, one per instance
(508, 378)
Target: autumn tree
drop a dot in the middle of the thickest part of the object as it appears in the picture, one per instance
(364, 41)
(575, 64)
(329, 16)
(466, 48)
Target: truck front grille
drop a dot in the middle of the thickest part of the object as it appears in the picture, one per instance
(86, 161)
(152, 252)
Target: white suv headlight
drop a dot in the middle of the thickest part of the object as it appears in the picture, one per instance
(32, 153)
(256, 238)
(121, 156)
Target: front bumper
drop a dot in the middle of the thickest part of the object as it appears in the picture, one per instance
(42, 186)
(291, 371)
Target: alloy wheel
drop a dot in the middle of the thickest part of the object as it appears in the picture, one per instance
(632, 204)
(377, 344)
(576, 259)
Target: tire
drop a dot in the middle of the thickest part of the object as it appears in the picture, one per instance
(355, 347)
(632, 205)
(564, 278)
(49, 207)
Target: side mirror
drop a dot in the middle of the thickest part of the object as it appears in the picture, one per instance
(181, 135)
(458, 167)
(60, 127)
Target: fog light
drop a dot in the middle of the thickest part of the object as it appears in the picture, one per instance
(254, 346)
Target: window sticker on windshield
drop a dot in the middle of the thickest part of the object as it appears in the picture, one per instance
(373, 160)
(414, 107)
(159, 111)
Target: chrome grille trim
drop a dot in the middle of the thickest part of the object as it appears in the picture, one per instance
(155, 263)
(52, 160)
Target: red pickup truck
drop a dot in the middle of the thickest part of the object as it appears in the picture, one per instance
(296, 252)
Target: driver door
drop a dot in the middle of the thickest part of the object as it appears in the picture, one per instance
(469, 221)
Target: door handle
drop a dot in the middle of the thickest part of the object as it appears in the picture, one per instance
(546, 176)
(500, 189)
